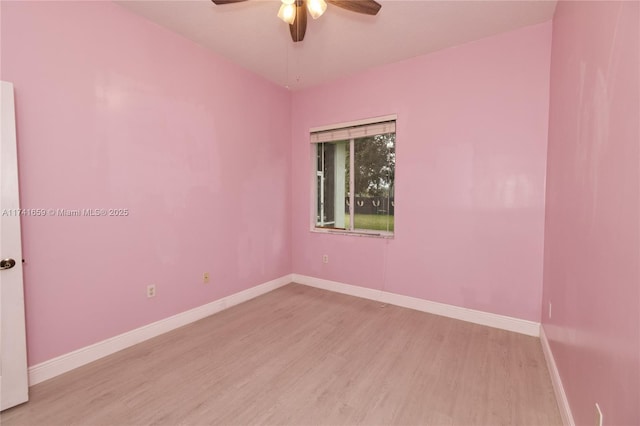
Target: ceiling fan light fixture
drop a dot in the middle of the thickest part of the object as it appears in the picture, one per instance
(287, 13)
(316, 8)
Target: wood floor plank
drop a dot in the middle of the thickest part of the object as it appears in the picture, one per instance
(300, 355)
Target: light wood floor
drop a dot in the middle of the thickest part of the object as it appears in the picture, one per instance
(299, 356)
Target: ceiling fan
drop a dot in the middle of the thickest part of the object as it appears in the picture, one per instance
(294, 12)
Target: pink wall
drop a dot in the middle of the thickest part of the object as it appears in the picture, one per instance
(471, 154)
(116, 112)
(592, 237)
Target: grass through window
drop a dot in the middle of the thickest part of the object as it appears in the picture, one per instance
(377, 222)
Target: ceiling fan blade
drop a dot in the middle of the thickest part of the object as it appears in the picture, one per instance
(367, 7)
(299, 26)
(221, 2)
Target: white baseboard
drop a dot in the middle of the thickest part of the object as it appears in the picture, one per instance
(558, 388)
(56, 366)
(517, 325)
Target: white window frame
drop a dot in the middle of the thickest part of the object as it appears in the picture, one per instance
(314, 177)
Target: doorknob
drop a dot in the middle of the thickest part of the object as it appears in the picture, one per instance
(7, 263)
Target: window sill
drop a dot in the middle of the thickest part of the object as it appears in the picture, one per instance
(370, 234)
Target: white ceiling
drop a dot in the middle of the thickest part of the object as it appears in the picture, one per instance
(339, 42)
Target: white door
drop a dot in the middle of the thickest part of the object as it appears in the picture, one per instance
(14, 386)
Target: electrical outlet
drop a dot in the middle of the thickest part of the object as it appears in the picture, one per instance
(205, 278)
(325, 258)
(549, 310)
(151, 291)
(599, 416)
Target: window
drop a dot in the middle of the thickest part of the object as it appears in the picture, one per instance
(354, 178)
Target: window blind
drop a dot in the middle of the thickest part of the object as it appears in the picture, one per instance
(353, 132)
